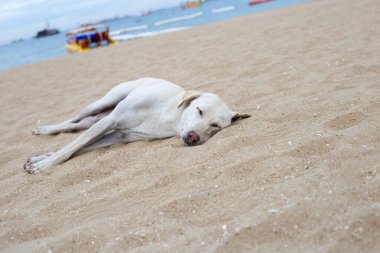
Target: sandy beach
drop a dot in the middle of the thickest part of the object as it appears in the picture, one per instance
(301, 175)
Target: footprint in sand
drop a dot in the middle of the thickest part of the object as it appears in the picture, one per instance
(345, 121)
(186, 207)
(313, 148)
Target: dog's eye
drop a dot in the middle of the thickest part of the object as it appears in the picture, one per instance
(215, 125)
(200, 111)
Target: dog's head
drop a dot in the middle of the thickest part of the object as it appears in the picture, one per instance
(204, 114)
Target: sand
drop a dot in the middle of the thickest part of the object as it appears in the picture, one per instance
(301, 175)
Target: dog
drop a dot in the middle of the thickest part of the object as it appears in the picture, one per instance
(144, 109)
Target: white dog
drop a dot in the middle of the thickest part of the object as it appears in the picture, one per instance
(145, 109)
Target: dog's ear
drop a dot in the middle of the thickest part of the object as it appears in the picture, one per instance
(236, 116)
(189, 96)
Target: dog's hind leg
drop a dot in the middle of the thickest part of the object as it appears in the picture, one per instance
(108, 102)
(107, 140)
(94, 133)
(90, 114)
(69, 126)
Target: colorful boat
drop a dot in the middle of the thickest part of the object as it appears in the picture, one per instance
(191, 4)
(259, 2)
(87, 38)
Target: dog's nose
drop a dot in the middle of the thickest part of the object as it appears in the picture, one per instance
(192, 138)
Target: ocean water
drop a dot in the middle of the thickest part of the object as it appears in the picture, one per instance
(166, 20)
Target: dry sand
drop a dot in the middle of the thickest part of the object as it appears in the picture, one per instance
(301, 175)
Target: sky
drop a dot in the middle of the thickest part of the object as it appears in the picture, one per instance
(23, 18)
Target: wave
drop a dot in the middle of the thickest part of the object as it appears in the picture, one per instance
(124, 37)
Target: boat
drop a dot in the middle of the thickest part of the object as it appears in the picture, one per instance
(191, 4)
(259, 2)
(46, 32)
(87, 38)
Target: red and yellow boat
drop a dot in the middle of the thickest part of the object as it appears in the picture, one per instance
(191, 4)
(259, 2)
(87, 38)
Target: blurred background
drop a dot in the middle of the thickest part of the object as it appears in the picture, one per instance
(35, 30)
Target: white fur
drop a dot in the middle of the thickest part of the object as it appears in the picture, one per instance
(145, 109)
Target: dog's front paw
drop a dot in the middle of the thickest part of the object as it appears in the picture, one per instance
(35, 167)
(30, 168)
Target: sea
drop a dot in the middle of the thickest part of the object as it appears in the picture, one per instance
(135, 27)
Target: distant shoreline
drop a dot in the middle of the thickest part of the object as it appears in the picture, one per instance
(157, 22)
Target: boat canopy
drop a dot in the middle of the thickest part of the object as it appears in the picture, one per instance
(87, 29)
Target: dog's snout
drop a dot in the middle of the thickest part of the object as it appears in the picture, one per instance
(192, 138)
